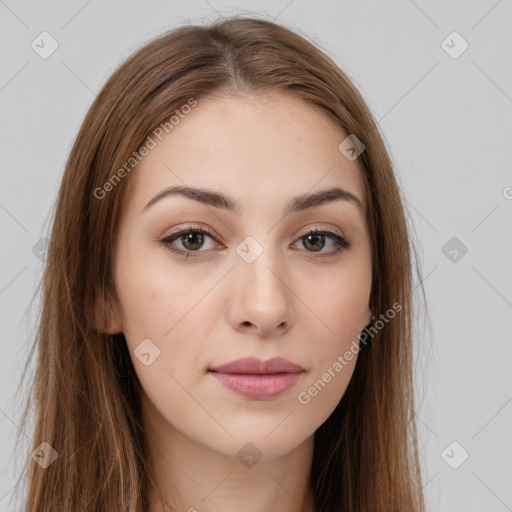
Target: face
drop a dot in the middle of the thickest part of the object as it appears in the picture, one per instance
(248, 271)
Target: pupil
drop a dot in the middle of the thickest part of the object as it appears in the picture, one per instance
(318, 238)
(189, 239)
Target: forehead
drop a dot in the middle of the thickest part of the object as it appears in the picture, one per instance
(263, 148)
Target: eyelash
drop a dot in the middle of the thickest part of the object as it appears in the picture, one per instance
(341, 242)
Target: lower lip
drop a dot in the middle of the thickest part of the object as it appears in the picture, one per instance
(260, 387)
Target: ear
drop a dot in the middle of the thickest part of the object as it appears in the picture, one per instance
(107, 314)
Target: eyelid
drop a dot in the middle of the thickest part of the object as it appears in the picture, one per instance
(317, 227)
(193, 227)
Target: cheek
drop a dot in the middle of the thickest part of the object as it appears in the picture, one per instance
(320, 394)
(333, 362)
(157, 296)
(173, 309)
(341, 312)
(338, 297)
(340, 306)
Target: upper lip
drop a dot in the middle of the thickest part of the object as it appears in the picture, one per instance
(253, 365)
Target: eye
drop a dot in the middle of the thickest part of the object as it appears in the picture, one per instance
(314, 241)
(192, 239)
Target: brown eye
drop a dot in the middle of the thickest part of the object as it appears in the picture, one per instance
(314, 242)
(193, 240)
(188, 241)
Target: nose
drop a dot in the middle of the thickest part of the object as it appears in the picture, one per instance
(261, 298)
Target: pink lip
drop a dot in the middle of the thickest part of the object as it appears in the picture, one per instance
(258, 379)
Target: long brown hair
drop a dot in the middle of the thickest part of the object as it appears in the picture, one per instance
(85, 394)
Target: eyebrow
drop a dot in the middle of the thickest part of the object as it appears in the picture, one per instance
(218, 200)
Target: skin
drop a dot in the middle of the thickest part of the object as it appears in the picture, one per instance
(215, 307)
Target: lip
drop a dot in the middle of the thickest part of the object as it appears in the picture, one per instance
(254, 378)
(253, 365)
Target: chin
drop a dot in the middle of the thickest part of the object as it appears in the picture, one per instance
(263, 444)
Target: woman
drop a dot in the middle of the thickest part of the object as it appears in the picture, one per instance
(226, 318)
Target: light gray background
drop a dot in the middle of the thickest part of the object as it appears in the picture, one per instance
(447, 122)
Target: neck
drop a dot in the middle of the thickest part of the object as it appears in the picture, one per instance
(190, 477)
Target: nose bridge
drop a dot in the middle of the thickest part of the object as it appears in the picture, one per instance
(259, 263)
(263, 296)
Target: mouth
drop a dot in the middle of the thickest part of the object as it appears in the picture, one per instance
(260, 380)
